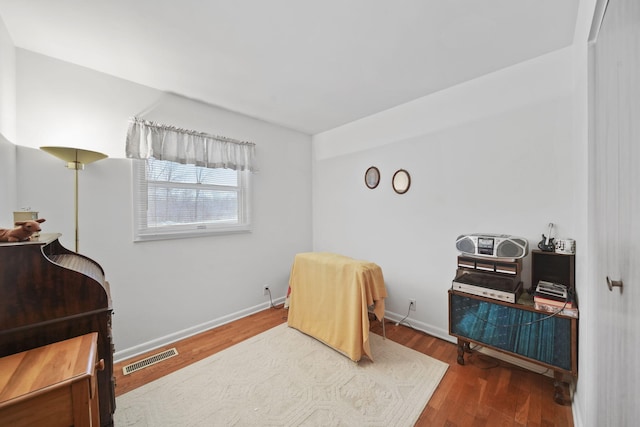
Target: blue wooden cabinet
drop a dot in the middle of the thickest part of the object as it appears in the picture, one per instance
(518, 330)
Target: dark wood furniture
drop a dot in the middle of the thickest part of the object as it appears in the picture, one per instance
(49, 294)
(540, 337)
(53, 386)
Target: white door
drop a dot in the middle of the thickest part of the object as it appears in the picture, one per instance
(615, 228)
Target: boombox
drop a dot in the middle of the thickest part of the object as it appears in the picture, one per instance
(493, 245)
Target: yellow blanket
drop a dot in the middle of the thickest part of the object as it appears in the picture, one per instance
(329, 300)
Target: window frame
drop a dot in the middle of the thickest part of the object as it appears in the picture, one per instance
(141, 231)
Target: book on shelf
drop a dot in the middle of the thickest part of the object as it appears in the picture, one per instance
(553, 302)
(571, 312)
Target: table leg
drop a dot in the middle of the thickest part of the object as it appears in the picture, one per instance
(462, 346)
(562, 388)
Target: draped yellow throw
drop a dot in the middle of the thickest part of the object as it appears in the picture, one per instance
(329, 300)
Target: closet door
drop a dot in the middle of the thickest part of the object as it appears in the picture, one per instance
(615, 182)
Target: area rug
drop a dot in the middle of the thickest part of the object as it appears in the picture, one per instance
(283, 377)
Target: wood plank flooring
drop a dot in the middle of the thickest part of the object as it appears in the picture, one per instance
(483, 392)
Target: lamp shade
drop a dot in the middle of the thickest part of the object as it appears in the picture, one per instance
(77, 155)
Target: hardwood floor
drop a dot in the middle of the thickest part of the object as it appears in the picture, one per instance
(483, 392)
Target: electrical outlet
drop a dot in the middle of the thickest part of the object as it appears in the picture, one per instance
(265, 290)
(412, 305)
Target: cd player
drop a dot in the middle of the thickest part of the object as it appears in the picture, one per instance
(493, 245)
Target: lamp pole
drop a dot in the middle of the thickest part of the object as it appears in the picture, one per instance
(76, 158)
(76, 166)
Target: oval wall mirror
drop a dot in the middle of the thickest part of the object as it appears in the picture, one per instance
(372, 177)
(401, 181)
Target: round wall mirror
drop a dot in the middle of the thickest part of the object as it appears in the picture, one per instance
(372, 177)
(401, 181)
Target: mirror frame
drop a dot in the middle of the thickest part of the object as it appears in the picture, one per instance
(401, 181)
(372, 177)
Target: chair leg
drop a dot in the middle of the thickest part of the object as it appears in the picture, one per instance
(384, 332)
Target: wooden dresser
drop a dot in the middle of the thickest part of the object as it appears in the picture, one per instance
(54, 385)
(49, 294)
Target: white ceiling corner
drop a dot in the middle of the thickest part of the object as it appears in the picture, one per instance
(307, 65)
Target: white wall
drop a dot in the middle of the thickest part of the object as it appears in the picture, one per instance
(7, 84)
(8, 198)
(492, 155)
(165, 289)
(7, 128)
(586, 392)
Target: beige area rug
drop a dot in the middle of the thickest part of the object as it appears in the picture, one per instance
(283, 377)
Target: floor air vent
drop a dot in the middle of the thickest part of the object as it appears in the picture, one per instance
(151, 360)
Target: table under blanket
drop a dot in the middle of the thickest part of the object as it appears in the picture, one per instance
(329, 299)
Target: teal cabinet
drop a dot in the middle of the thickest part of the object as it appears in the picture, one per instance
(518, 330)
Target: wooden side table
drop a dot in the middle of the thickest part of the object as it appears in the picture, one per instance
(52, 386)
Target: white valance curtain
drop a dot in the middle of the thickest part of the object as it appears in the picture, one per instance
(147, 139)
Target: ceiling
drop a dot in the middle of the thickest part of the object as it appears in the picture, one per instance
(304, 64)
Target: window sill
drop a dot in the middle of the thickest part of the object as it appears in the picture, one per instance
(189, 234)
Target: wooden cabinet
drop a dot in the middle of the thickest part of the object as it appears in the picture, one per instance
(54, 385)
(540, 337)
(49, 294)
(518, 330)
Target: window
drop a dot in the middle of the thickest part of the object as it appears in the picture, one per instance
(188, 183)
(174, 200)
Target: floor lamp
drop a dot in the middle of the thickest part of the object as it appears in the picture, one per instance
(76, 158)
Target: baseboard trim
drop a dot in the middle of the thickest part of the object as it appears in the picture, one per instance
(170, 339)
(166, 340)
(443, 334)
